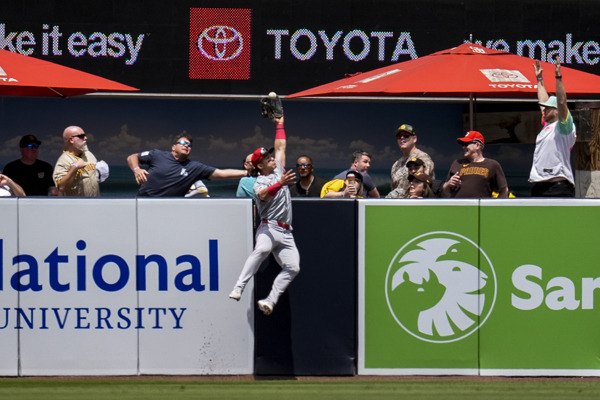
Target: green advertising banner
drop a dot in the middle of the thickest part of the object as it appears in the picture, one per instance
(490, 287)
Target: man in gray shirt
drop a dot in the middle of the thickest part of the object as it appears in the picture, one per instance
(274, 233)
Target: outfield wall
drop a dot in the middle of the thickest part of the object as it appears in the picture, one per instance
(139, 286)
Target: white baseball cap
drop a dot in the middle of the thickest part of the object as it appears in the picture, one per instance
(102, 170)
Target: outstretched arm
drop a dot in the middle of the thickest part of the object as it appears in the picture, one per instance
(268, 193)
(228, 173)
(542, 93)
(280, 140)
(15, 188)
(561, 94)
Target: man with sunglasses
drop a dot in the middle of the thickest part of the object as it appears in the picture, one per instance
(309, 185)
(32, 174)
(171, 173)
(475, 176)
(274, 235)
(407, 142)
(75, 170)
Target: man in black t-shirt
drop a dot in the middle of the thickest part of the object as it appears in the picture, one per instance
(309, 185)
(33, 175)
(170, 174)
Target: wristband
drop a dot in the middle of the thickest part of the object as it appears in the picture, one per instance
(558, 76)
(136, 168)
(75, 165)
(279, 132)
(273, 189)
(539, 78)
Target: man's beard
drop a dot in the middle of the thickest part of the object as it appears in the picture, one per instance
(82, 147)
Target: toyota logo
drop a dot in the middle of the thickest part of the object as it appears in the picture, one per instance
(220, 43)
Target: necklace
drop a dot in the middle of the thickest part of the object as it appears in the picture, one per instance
(312, 178)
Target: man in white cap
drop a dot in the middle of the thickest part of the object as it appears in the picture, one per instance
(551, 171)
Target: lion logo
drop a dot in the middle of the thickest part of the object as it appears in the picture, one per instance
(440, 287)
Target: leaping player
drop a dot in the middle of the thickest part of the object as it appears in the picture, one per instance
(274, 233)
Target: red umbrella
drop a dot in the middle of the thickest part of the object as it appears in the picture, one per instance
(467, 70)
(463, 70)
(28, 76)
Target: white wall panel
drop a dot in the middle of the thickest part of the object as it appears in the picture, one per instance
(9, 345)
(214, 334)
(80, 310)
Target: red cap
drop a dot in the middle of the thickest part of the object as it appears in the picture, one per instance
(259, 154)
(471, 136)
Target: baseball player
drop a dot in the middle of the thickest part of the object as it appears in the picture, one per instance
(274, 233)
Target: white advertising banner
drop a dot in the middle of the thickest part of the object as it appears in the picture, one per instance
(124, 286)
(190, 253)
(9, 345)
(78, 291)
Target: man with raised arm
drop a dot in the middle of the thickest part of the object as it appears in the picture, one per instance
(274, 234)
(172, 173)
(551, 172)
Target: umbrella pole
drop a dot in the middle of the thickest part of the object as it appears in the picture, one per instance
(471, 101)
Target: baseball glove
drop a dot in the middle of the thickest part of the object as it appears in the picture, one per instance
(271, 107)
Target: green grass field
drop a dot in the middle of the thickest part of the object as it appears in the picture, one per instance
(314, 389)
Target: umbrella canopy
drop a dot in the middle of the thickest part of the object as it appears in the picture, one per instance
(467, 70)
(28, 76)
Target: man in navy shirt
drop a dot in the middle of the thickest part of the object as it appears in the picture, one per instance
(170, 174)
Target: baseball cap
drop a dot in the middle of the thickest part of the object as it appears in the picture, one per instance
(198, 189)
(259, 154)
(471, 136)
(356, 175)
(406, 128)
(102, 170)
(420, 176)
(28, 139)
(415, 160)
(551, 102)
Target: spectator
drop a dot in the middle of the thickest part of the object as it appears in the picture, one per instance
(274, 234)
(309, 185)
(415, 166)
(551, 172)
(246, 185)
(475, 176)
(407, 142)
(361, 162)
(33, 175)
(9, 188)
(419, 186)
(173, 173)
(351, 187)
(75, 170)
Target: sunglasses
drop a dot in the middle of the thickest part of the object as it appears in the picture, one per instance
(305, 165)
(404, 136)
(32, 146)
(184, 143)
(81, 136)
